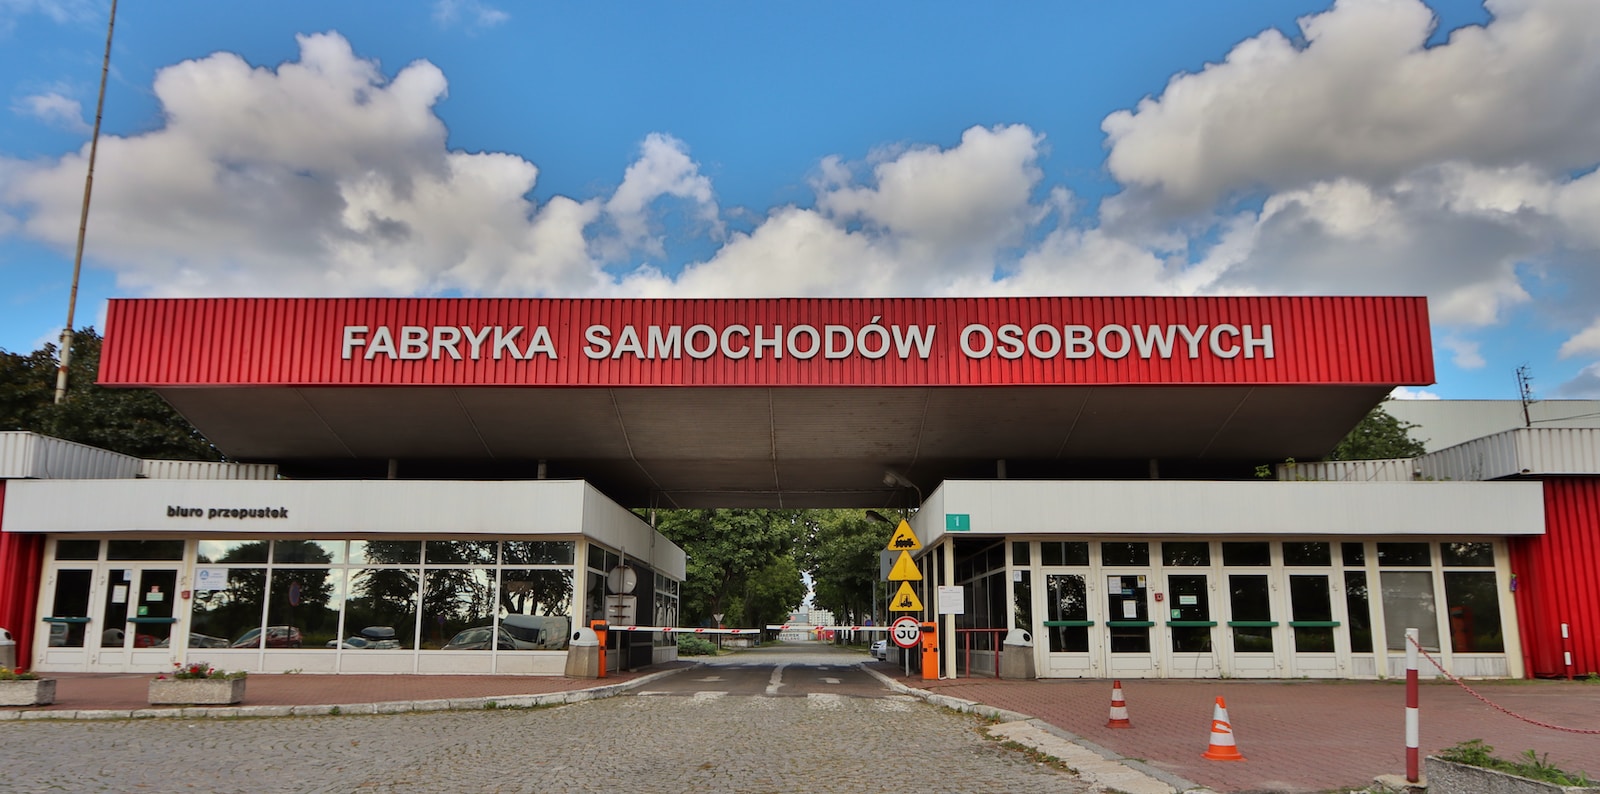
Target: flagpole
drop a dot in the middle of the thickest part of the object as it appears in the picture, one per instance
(83, 218)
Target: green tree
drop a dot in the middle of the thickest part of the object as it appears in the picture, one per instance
(841, 552)
(772, 593)
(1379, 436)
(728, 550)
(133, 422)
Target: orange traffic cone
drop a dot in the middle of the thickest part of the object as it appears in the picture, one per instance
(1222, 747)
(1119, 709)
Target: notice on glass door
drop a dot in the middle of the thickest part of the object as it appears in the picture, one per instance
(1130, 610)
(119, 594)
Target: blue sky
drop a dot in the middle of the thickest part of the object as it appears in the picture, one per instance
(1446, 149)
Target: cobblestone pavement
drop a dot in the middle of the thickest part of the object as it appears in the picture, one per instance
(710, 742)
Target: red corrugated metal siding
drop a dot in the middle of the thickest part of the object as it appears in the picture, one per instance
(223, 341)
(1558, 579)
(21, 564)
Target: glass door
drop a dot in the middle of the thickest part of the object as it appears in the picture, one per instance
(136, 620)
(1190, 627)
(1128, 648)
(1067, 625)
(68, 625)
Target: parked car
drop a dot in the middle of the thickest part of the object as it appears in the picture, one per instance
(277, 637)
(371, 638)
(880, 650)
(537, 632)
(199, 641)
(478, 639)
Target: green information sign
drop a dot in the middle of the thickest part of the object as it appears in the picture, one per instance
(958, 522)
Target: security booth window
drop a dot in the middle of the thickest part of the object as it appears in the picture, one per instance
(1065, 553)
(1472, 598)
(1408, 596)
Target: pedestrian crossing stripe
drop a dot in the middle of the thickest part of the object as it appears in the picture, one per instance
(905, 599)
(905, 569)
(904, 539)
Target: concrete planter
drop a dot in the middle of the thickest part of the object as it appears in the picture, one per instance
(35, 692)
(1448, 777)
(196, 691)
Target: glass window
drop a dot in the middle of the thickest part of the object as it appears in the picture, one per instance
(1467, 555)
(302, 608)
(1186, 553)
(307, 552)
(385, 552)
(383, 604)
(1474, 604)
(461, 552)
(1307, 553)
(602, 560)
(1249, 601)
(1253, 552)
(134, 550)
(1064, 553)
(1067, 600)
(547, 595)
(1022, 602)
(231, 616)
(1408, 603)
(1129, 554)
(1355, 554)
(1359, 611)
(77, 549)
(215, 551)
(538, 552)
(1403, 555)
(1019, 553)
(458, 609)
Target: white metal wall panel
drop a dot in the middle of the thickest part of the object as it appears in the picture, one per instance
(25, 455)
(1446, 423)
(206, 470)
(1388, 470)
(618, 527)
(1167, 507)
(1521, 452)
(346, 508)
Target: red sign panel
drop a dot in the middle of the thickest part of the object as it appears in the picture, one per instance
(766, 342)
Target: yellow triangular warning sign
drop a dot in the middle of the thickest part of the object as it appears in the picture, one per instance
(905, 599)
(904, 539)
(905, 569)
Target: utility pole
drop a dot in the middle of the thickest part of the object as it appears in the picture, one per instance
(1525, 393)
(83, 218)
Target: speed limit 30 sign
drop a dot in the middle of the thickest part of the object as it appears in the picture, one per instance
(906, 631)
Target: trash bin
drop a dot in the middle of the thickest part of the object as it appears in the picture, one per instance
(583, 654)
(8, 650)
(1016, 661)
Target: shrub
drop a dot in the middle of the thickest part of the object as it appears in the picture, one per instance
(1533, 767)
(690, 645)
(10, 674)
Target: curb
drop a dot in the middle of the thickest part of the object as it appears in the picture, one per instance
(1156, 777)
(386, 707)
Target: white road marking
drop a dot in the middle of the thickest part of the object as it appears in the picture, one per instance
(776, 681)
(827, 680)
(710, 678)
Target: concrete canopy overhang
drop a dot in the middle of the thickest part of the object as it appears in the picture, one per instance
(701, 412)
(769, 447)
